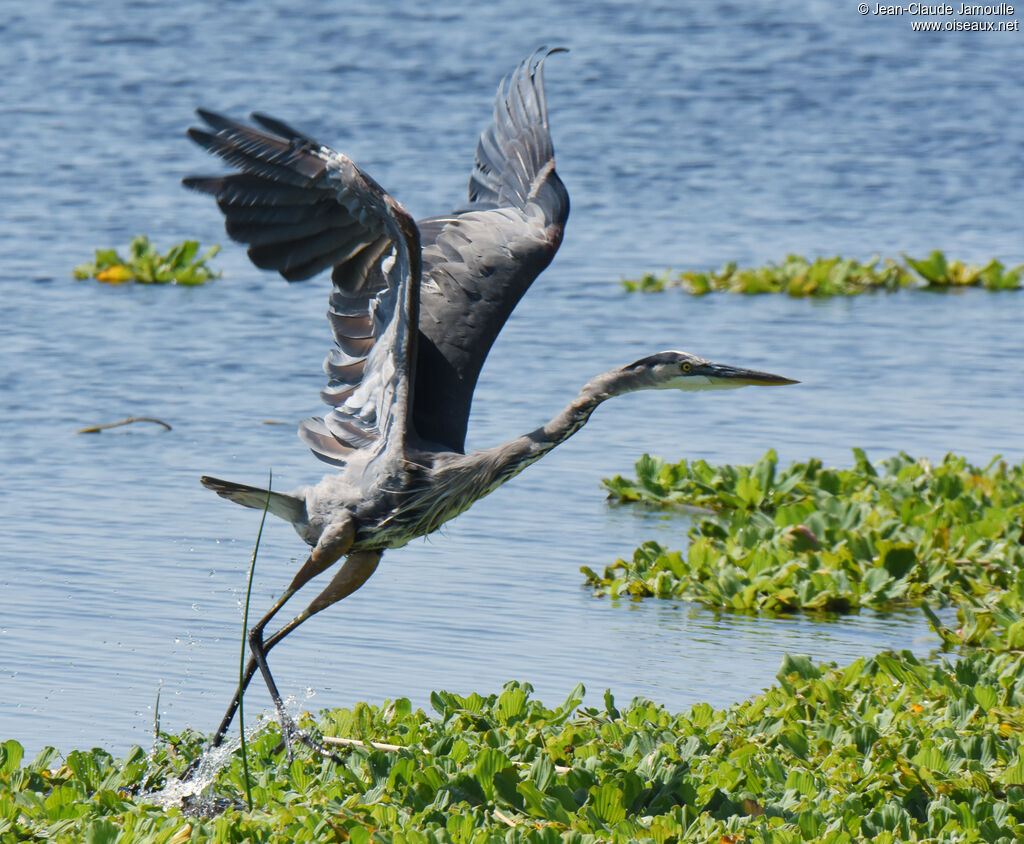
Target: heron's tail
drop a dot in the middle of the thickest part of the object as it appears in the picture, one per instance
(284, 506)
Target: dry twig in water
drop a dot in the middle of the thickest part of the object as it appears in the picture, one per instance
(379, 745)
(95, 429)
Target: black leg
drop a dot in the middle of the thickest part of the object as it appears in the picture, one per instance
(289, 729)
(354, 572)
(250, 671)
(334, 542)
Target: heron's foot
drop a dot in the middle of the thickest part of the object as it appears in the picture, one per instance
(190, 769)
(290, 733)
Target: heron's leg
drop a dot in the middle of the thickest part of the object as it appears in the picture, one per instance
(354, 572)
(335, 541)
(252, 666)
(250, 671)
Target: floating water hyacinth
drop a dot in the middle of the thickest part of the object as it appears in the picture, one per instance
(798, 276)
(938, 272)
(886, 749)
(147, 266)
(805, 537)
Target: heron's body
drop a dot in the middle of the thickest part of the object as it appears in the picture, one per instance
(431, 487)
(401, 506)
(414, 310)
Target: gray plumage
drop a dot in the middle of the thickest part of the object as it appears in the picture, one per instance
(415, 308)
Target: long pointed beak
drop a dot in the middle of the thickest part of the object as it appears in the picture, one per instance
(734, 375)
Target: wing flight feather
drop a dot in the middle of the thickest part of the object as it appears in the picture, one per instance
(479, 260)
(302, 208)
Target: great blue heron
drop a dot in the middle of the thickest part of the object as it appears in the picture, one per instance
(415, 308)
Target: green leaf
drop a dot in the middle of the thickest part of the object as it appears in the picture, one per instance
(439, 704)
(798, 664)
(180, 256)
(900, 560)
(608, 802)
(932, 269)
(511, 704)
(11, 753)
(1014, 773)
(101, 832)
(489, 761)
(541, 805)
(107, 258)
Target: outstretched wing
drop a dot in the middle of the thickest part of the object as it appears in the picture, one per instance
(480, 260)
(302, 208)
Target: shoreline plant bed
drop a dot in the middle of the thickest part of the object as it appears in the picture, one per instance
(146, 265)
(833, 540)
(837, 276)
(888, 749)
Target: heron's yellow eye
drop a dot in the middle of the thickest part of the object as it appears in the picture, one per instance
(687, 367)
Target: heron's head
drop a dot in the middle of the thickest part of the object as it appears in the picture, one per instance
(683, 371)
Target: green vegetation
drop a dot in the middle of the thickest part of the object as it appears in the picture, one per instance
(938, 272)
(821, 539)
(144, 264)
(835, 277)
(887, 748)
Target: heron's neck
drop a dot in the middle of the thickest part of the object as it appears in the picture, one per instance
(510, 459)
(462, 479)
(575, 414)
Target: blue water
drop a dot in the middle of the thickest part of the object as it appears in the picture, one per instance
(687, 136)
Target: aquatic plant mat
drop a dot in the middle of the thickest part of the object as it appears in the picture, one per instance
(144, 264)
(889, 748)
(886, 748)
(806, 537)
(837, 276)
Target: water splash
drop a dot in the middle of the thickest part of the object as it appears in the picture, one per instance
(192, 793)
